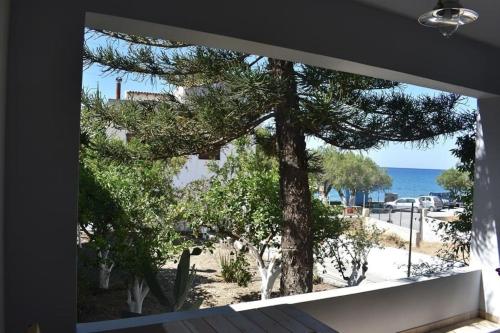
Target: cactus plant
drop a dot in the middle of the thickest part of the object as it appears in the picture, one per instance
(183, 280)
(175, 299)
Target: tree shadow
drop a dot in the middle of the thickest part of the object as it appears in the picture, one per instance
(254, 296)
(96, 304)
(485, 240)
(166, 278)
(209, 270)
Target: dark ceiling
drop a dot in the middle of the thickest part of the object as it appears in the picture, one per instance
(486, 29)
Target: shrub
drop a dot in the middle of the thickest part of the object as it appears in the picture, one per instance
(393, 240)
(349, 252)
(234, 268)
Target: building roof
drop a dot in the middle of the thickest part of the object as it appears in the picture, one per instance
(143, 95)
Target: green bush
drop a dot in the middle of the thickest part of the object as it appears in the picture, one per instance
(234, 268)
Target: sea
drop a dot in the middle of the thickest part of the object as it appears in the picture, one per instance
(406, 182)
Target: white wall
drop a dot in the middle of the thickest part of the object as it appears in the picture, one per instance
(115, 133)
(196, 169)
(4, 28)
(388, 306)
(377, 308)
(391, 228)
(428, 230)
(486, 222)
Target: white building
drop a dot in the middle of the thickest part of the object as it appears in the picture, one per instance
(196, 166)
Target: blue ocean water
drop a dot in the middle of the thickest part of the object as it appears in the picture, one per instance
(406, 182)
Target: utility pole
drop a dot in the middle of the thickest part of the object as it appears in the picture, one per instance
(411, 236)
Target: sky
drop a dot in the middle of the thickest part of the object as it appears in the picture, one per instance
(401, 155)
(397, 155)
(405, 156)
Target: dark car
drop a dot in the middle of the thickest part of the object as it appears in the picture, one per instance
(448, 201)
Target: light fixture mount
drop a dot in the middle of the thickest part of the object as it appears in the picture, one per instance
(448, 16)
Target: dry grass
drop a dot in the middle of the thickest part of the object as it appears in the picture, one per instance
(430, 248)
(393, 240)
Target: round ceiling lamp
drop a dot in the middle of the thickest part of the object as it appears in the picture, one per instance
(448, 16)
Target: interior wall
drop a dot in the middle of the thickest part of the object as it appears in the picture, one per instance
(41, 164)
(4, 29)
(485, 252)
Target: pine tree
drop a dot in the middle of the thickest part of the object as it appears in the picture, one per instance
(228, 94)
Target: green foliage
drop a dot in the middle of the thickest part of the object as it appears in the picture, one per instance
(327, 225)
(457, 234)
(455, 181)
(96, 204)
(127, 206)
(349, 171)
(145, 230)
(235, 268)
(241, 200)
(99, 215)
(229, 94)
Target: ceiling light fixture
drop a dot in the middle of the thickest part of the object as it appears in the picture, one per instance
(448, 16)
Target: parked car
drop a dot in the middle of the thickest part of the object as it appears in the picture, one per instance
(404, 204)
(431, 202)
(446, 198)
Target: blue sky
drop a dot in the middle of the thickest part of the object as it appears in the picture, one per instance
(405, 156)
(392, 155)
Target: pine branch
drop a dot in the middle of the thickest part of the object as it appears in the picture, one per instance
(388, 117)
(140, 40)
(142, 62)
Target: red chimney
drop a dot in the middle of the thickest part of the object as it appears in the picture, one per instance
(118, 88)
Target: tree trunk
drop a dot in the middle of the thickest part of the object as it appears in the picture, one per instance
(342, 197)
(78, 235)
(296, 240)
(352, 198)
(358, 273)
(104, 275)
(105, 268)
(268, 274)
(323, 190)
(136, 294)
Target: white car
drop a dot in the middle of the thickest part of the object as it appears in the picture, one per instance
(431, 202)
(404, 204)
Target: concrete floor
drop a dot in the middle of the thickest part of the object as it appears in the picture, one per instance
(384, 265)
(471, 326)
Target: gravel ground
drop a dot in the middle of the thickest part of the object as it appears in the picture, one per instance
(97, 305)
(215, 292)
